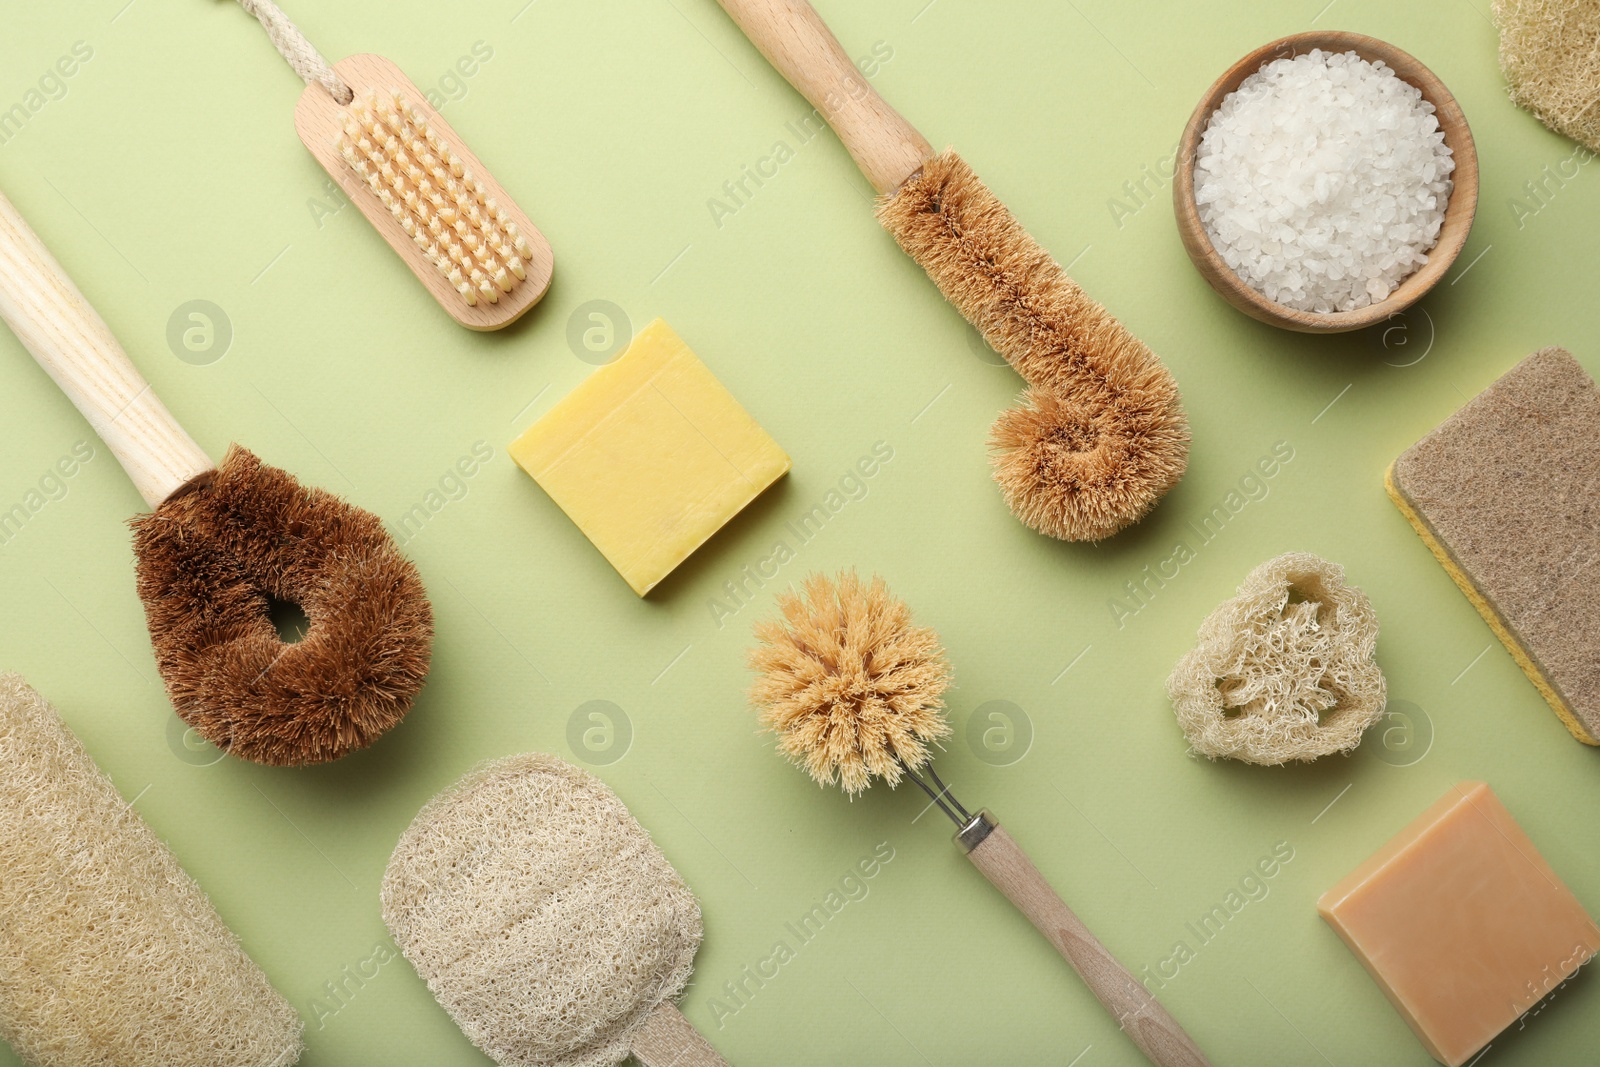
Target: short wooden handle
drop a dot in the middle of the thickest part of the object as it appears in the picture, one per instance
(71, 342)
(667, 1039)
(796, 41)
(1156, 1033)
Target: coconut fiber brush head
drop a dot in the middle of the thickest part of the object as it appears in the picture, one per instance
(545, 920)
(223, 543)
(1100, 434)
(853, 690)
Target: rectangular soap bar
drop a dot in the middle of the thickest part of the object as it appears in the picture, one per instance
(1461, 922)
(650, 456)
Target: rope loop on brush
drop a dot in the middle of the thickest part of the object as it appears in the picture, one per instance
(301, 53)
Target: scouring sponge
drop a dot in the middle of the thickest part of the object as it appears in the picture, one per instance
(1506, 493)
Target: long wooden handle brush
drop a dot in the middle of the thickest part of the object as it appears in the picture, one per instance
(1100, 435)
(224, 542)
(415, 180)
(854, 692)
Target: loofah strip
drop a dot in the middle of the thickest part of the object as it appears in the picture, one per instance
(1286, 670)
(1550, 54)
(209, 560)
(851, 688)
(540, 913)
(111, 955)
(1100, 434)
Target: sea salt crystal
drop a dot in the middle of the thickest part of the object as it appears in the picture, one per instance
(1322, 181)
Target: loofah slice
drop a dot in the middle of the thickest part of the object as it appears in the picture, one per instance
(211, 559)
(541, 915)
(1286, 670)
(1100, 434)
(1550, 54)
(110, 954)
(851, 688)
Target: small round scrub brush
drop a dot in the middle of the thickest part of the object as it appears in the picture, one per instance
(1100, 435)
(223, 543)
(854, 691)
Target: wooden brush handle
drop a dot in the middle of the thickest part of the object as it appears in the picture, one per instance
(73, 345)
(667, 1039)
(1156, 1033)
(796, 41)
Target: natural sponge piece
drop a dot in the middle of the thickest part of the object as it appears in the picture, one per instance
(1550, 54)
(1506, 494)
(110, 955)
(541, 915)
(1286, 670)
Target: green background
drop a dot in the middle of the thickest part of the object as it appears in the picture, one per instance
(170, 171)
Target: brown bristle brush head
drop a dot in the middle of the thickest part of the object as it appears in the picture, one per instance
(213, 557)
(852, 689)
(1100, 435)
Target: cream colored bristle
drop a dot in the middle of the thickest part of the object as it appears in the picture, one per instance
(437, 200)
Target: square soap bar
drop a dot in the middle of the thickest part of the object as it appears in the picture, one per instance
(1461, 922)
(650, 456)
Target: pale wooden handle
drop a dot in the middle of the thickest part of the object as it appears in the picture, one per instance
(667, 1039)
(796, 41)
(1156, 1033)
(71, 342)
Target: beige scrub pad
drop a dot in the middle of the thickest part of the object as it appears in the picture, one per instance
(1506, 494)
(541, 915)
(1286, 670)
(110, 955)
(1550, 54)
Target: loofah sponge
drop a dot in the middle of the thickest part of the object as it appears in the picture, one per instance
(110, 955)
(851, 688)
(1550, 54)
(1286, 670)
(541, 915)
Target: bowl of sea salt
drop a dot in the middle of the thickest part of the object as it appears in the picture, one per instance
(1326, 182)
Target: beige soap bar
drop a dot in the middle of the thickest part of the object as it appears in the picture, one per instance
(1461, 922)
(650, 456)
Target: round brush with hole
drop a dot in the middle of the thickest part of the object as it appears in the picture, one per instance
(415, 180)
(223, 542)
(854, 691)
(1100, 435)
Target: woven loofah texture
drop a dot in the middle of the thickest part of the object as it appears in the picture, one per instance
(110, 955)
(1100, 435)
(1550, 53)
(852, 689)
(1286, 670)
(541, 915)
(211, 558)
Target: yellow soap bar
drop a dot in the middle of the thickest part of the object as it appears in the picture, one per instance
(650, 456)
(1461, 922)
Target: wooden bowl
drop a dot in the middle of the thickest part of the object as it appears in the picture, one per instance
(1463, 203)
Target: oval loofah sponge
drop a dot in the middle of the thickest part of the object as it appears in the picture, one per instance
(1286, 670)
(1550, 54)
(541, 915)
(110, 954)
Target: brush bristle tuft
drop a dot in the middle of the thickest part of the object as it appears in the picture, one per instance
(212, 558)
(851, 688)
(434, 196)
(1100, 436)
